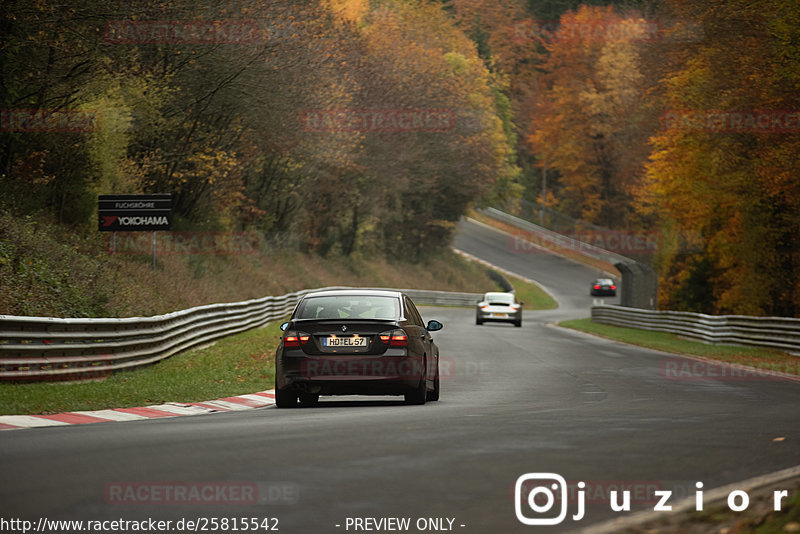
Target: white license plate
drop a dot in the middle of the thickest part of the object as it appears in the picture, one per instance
(344, 342)
(503, 315)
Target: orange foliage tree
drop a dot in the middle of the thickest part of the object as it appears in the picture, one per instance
(724, 168)
(590, 121)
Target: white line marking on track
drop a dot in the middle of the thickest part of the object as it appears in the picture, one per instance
(261, 399)
(257, 398)
(176, 409)
(225, 405)
(114, 415)
(27, 421)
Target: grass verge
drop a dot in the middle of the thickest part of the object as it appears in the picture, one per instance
(534, 297)
(235, 365)
(768, 359)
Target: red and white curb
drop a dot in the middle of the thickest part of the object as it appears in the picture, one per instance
(170, 409)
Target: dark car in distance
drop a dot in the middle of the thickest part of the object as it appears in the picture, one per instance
(356, 342)
(603, 287)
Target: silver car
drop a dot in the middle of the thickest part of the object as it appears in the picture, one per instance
(499, 307)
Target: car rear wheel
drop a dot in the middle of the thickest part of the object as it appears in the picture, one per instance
(478, 321)
(420, 393)
(434, 395)
(518, 323)
(285, 398)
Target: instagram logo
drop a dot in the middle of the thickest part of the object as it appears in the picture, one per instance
(542, 498)
(538, 493)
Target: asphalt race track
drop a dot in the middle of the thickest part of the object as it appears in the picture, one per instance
(514, 400)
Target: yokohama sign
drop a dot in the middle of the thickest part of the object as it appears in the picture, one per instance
(134, 213)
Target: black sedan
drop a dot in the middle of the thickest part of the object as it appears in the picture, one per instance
(603, 287)
(356, 342)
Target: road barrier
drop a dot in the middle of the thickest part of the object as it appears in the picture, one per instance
(768, 332)
(46, 348)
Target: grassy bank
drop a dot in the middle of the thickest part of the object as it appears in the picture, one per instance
(45, 270)
(534, 297)
(765, 359)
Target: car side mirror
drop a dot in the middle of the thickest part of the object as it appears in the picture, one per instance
(434, 326)
(284, 326)
(522, 304)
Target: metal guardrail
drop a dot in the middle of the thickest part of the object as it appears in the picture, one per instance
(768, 332)
(45, 348)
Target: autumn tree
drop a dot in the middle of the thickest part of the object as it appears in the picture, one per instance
(226, 123)
(724, 169)
(590, 120)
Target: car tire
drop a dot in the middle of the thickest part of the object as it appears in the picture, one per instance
(434, 395)
(285, 398)
(518, 323)
(308, 399)
(419, 394)
(478, 321)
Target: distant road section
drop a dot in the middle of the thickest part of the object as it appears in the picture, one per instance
(567, 280)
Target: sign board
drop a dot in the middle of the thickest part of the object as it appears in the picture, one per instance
(134, 213)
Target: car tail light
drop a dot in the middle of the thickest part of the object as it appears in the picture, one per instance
(295, 339)
(394, 338)
(515, 307)
(596, 286)
(613, 287)
(485, 307)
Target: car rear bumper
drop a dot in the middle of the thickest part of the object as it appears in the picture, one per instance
(350, 375)
(604, 293)
(491, 317)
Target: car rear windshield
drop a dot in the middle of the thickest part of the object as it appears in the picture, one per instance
(500, 299)
(349, 307)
